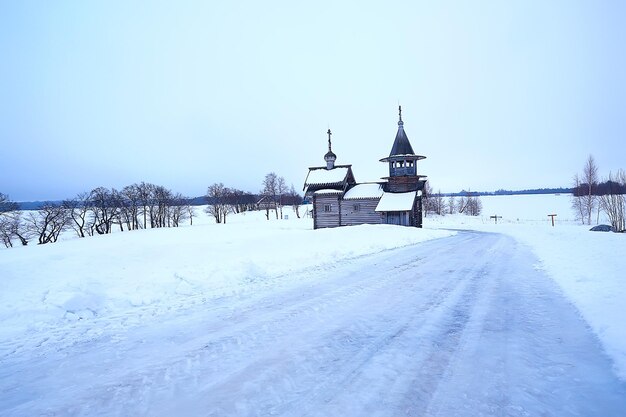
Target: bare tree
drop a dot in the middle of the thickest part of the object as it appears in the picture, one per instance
(474, 206)
(6, 205)
(295, 200)
(217, 202)
(270, 191)
(236, 200)
(439, 203)
(281, 190)
(144, 191)
(47, 223)
(160, 207)
(124, 216)
(10, 222)
(613, 202)
(577, 200)
(462, 204)
(178, 210)
(451, 205)
(77, 209)
(103, 209)
(427, 199)
(469, 203)
(131, 205)
(585, 199)
(11, 226)
(5, 231)
(191, 211)
(234, 197)
(590, 177)
(8, 215)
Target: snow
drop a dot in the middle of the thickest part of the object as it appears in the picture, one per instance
(319, 176)
(396, 201)
(260, 317)
(588, 266)
(103, 276)
(360, 191)
(328, 191)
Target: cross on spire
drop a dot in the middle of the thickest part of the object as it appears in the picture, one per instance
(329, 133)
(400, 122)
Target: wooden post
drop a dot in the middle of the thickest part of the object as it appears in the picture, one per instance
(552, 216)
(496, 217)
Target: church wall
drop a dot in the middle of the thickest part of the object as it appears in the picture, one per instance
(364, 215)
(323, 218)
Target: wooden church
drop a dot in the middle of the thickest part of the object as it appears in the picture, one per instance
(338, 200)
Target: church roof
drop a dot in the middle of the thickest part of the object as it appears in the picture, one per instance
(361, 191)
(401, 148)
(397, 201)
(401, 145)
(323, 176)
(339, 177)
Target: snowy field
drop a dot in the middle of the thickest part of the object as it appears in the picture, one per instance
(127, 290)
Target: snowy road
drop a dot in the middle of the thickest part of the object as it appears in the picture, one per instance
(462, 326)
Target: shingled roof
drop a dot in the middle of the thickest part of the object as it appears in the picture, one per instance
(401, 145)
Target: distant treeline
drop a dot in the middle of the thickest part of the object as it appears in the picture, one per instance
(246, 198)
(464, 193)
(603, 188)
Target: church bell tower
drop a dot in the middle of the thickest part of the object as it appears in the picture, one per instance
(403, 176)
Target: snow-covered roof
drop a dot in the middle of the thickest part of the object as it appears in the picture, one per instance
(328, 191)
(396, 201)
(364, 191)
(326, 176)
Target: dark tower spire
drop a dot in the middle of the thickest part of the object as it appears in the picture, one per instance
(402, 160)
(330, 157)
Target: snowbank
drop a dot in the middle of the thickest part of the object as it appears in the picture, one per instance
(85, 279)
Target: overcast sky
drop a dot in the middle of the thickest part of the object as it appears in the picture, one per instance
(511, 94)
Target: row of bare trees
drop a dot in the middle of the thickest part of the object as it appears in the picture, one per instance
(274, 195)
(223, 201)
(137, 206)
(593, 196)
(436, 203)
(10, 222)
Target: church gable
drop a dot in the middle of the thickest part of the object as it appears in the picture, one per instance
(331, 176)
(320, 177)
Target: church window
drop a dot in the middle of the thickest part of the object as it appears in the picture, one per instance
(357, 207)
(327, 208)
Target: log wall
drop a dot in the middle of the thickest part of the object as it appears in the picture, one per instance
(364, 215)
